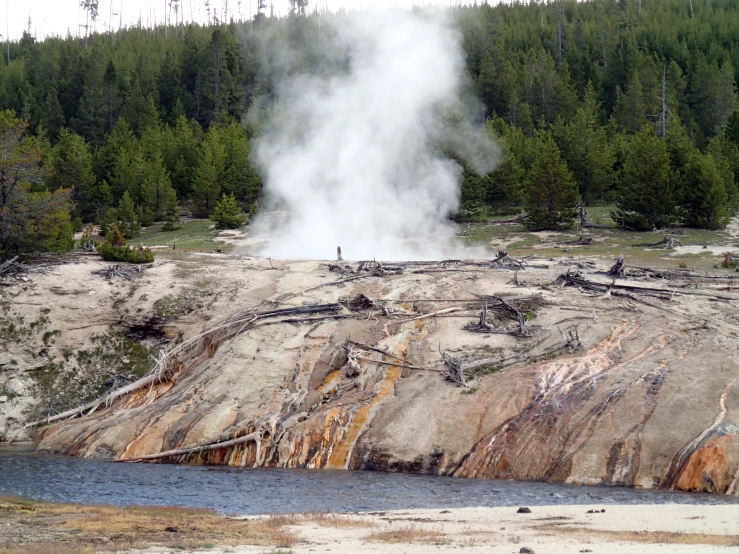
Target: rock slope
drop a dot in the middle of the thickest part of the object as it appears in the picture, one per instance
(600, 385)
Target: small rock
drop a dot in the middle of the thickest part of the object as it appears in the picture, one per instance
(524, 510)
(171, 530)
(603, 511)
(592, 511)
(586, 550)
(445, 512)
(3, 398)
(526, 550)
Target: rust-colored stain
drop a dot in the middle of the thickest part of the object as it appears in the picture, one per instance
(539, 442)
(708, 468)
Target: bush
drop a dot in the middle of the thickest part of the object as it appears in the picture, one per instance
(124, 253)
(227, 213)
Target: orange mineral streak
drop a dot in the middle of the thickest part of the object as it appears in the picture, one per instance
(144, 397)
(343, 425)
(528, 445)
(708, 469)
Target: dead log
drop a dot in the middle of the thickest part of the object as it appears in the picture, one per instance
(503, 259)
(126, 272)
(257, 436)
(617, 269)
(453, 370)
(668, 242)
(582, 241)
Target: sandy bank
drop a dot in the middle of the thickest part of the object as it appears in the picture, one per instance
(550, 530)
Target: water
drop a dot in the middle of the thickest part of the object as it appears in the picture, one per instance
(260, 491)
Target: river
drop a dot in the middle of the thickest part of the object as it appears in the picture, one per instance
(261, 491)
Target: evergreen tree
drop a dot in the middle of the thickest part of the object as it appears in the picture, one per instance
(206, 180)
(705, 197)
(551, 195)
(28, 220)
(227, 213)
(586, 149)
(646, 196)
(70, 163)
(127, 218)
(630, 112)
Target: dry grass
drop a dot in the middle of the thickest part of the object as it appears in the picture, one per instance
(74, 528)
(408, 534)
(649, 537)
(51, 548)
(337, 521)
(665, 537)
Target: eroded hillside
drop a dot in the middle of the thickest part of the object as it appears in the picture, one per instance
(568, 378)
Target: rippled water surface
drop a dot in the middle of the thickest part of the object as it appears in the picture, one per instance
(259, 491)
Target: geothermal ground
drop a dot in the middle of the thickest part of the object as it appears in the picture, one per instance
(569, 375)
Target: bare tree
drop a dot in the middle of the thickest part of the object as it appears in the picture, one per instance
(560, 17)
(91, 8)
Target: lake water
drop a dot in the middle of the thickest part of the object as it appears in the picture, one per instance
(261, 491)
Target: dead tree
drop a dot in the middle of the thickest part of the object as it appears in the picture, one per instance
(668, 242)
(453, 370)
(617, 269)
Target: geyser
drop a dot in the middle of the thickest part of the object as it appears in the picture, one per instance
(357, 152)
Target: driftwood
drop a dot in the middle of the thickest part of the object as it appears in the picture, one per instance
(453, 370)
(12, 267)
(359, 303)
(731, 259)
(257, 437)
(582, 241)
(169, 361)
(127, 272)
(617, 269)
(503, 259)
(570, 343)
(668, 242)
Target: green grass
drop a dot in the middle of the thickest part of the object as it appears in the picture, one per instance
(195, 236)
(609, 243)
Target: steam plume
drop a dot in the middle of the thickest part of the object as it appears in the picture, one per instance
(359, 157)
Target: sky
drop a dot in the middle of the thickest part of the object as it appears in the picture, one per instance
(57, 17)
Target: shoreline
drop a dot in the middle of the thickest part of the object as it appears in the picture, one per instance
(32, 527)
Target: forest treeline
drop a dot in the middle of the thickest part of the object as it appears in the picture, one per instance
(625, 102)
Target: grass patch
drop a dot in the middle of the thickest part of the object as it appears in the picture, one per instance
(407, 534)
(336, 521)
(195, 235)
(78, 527)
(647, 537)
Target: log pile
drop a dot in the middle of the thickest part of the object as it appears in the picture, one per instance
(12, 268)
(125, 272)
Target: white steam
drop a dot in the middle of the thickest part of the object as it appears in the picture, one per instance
(354, 158)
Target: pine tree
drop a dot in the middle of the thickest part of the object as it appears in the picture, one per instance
(53, 119)
(705, 197)
(70, 163)
(28, 220)
(127, 217)
(227, 213)
(732, 128)
(551, 196)
(646, 196)
(207, 177)
(586, 149)
(119, 142)
(630, 112)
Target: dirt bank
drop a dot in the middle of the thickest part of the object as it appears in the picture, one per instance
(568, 379)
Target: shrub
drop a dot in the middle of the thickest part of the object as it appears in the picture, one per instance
(124, 253)
(227, 213)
